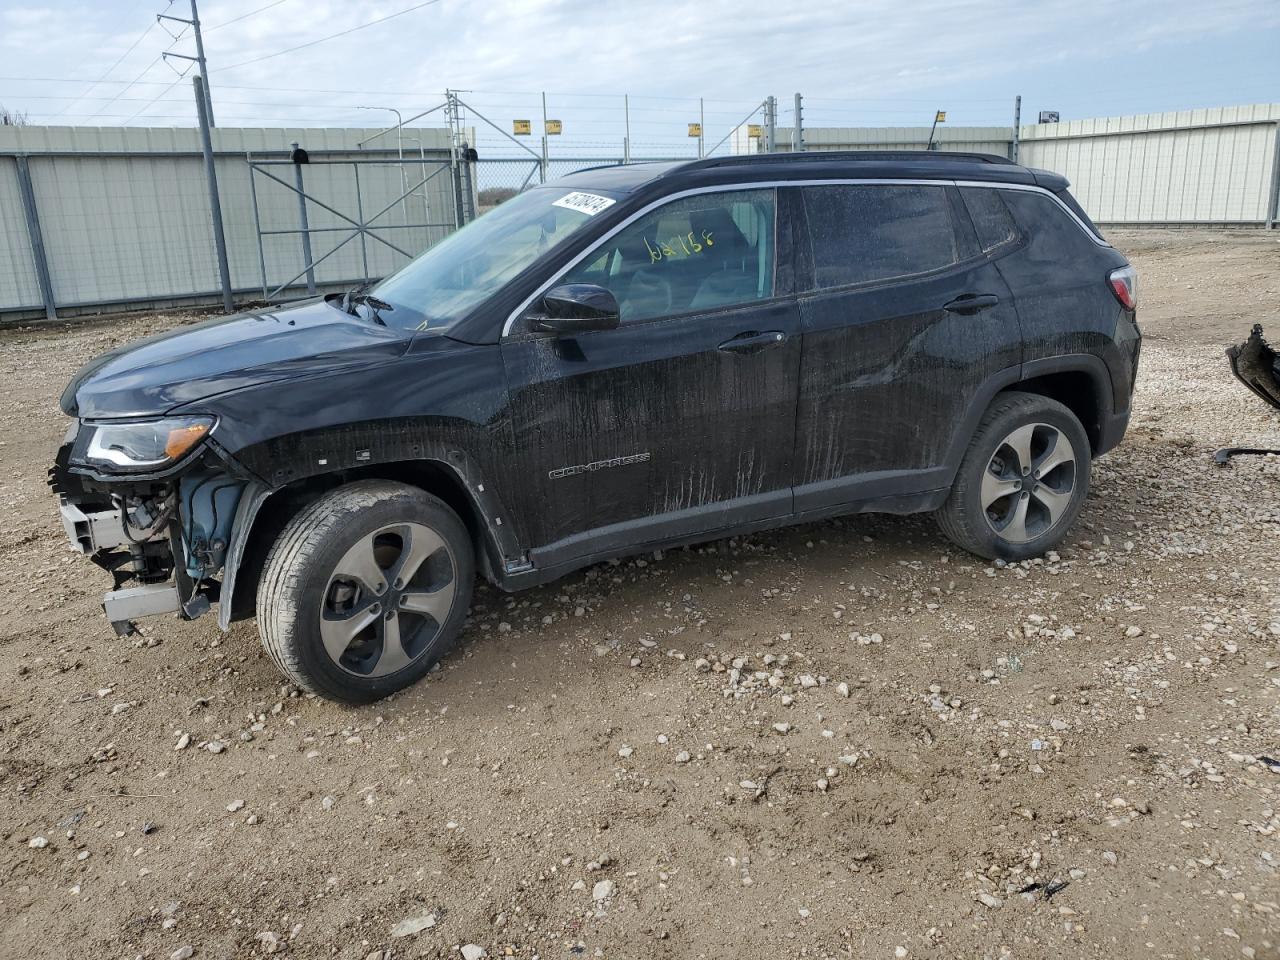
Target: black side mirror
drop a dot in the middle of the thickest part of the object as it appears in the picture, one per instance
(577, 308)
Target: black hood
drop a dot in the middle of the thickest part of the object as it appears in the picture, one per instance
(153, 376)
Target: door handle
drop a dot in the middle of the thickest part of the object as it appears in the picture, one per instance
(971, 303)
(751, 341)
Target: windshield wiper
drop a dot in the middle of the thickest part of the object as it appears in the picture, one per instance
(374, 305)
(358, 295)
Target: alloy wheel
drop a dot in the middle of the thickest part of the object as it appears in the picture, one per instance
(387, 599)
(1029, 482)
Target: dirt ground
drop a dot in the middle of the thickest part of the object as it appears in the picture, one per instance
(845, 739)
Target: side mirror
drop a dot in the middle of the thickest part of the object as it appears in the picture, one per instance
(577, 308)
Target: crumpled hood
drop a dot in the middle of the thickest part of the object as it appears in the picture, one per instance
(153, 376)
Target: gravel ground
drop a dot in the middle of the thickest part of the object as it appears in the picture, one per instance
(844, 739)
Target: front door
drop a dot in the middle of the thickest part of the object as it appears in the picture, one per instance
(682, 420)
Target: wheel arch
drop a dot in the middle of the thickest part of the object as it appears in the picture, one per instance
(267, 512)
(1079, 381)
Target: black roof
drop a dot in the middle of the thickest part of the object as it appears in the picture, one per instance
(811, 165)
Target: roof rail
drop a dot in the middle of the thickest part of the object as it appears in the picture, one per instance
(818, 156)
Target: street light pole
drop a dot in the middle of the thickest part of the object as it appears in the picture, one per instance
(404, 183)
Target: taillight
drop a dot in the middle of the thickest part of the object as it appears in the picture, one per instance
(1124, 284)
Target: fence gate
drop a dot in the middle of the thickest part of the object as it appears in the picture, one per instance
(307, 212)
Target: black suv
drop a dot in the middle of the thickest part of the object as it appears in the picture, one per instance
(630, 358)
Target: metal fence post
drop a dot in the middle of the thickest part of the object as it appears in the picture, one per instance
(542, 169)
(1017, 127)
(702, 127)
(797, 132)
(626, 120)
(36, 238)
(215, 207)
(299, 157)
(1273, 205)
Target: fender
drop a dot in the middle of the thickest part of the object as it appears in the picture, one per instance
(1087, 363)
(400, 449)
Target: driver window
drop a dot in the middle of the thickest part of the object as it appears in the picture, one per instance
(694, 254)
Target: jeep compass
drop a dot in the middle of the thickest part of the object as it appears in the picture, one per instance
(629, 358)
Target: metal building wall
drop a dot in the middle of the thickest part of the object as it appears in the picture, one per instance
(1210, 166)
(1191, 166)
(124, 212)
(963, 139)
(18, 282)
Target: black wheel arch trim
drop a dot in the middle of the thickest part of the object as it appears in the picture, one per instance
(1090, 364)
(498, 547)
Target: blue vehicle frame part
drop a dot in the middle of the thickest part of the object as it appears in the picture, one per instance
(207, 506)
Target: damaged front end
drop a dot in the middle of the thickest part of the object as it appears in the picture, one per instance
(154, 503)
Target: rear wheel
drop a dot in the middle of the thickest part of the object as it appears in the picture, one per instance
(365, 590)
(1022, 481)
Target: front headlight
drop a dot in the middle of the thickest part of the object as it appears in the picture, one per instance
(142, 445)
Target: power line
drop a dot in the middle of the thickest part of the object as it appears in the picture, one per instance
(152, 102)
(243, 16)
(133, 46)
(126, 88)
(334, 36)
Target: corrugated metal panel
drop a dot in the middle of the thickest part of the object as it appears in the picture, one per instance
(1212, 165)
(964, 139)
(125, 211)
(18, 284)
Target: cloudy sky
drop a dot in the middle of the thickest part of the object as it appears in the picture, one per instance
(858, 62)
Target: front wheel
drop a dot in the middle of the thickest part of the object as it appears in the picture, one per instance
(1022, 481)
(365, 590)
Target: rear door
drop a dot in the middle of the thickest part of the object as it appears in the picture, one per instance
(682, 419)
(904, 319)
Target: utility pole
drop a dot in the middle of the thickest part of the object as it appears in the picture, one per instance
(797, 132)
(1017, 124)
(198, 59)
(215, 207)
(770, 122)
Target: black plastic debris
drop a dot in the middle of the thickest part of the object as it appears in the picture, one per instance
(1051, 888)
(1046, 890)
(1270, 764)
(1256, 365)
(1223, 457)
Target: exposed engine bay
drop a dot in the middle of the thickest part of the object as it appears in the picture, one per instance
(163, 539)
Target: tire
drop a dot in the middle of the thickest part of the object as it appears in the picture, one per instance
(333, 613)
(1001, 507)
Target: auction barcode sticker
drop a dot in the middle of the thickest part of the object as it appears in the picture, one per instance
(588, 203)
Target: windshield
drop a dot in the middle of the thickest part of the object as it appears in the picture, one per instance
(445, 283)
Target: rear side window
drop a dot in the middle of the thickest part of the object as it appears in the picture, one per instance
(990, 217)
(863, 233)
(1074, 206)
